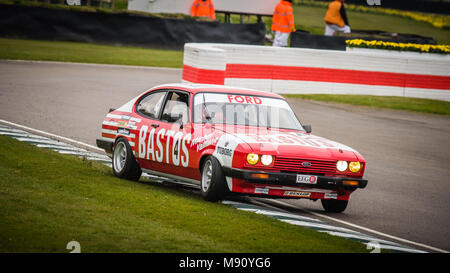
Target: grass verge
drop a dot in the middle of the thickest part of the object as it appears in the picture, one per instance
(16, 49)
(48, 199)
(388, 102)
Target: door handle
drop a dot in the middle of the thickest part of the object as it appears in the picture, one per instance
(155, 125)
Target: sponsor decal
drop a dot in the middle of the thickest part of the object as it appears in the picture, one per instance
(295, 139)
(126, 117)
(109, 123)
(205, 141)
(224, 151)
(155, 145)
(239, 100)
(123, 131)
(330, 196)
(225, 155)
(122, 123)
(261, 191)
(297, 194)
(244, 99)
(132, 125)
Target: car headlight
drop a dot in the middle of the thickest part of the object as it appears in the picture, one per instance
(252, 158)
(266, 160)
(341, 166)
(354, 167)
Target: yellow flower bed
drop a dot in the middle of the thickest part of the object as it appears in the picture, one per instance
(441, 49)
(437, 20)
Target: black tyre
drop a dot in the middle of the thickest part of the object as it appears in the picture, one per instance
(213, 184)
(123, 162)
(336, 206)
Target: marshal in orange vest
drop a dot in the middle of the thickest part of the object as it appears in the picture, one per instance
(283, 17)
(203, 8)
(333, 15)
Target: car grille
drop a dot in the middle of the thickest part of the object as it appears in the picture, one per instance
(295, 165)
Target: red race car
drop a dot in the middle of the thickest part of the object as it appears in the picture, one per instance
(227, 140)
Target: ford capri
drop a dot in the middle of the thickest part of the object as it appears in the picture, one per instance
(227, 140)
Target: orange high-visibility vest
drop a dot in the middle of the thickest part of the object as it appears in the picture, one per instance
(283, 17)
(333, 15)
(203, 9)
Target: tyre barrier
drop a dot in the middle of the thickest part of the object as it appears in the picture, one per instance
(120, 28)
(311, 71)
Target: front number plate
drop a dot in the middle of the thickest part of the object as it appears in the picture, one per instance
(307, 179)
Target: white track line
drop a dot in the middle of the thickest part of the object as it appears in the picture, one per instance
(20, 133)
(435, 249)
(282, 214)
(97, 65)
(320, 227)
(363, 237)
(324, 228)
(52, 135)
(61, 147)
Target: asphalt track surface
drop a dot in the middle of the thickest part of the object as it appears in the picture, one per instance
(407, 154)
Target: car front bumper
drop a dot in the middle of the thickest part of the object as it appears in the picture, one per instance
(290, 179)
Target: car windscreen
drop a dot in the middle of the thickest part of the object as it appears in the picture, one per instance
(233, 109)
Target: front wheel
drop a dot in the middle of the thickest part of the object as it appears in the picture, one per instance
(336, 206)
(213, 183)
(123, 162)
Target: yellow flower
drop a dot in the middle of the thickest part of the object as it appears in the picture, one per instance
(443, 49)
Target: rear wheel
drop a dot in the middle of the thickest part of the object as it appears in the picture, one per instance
(331, 205)
(123, 162)
(213, 183)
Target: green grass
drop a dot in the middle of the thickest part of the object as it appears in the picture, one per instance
(399, 103)
(121, 4)
(311, 19)
(48, 199)
(88, 53)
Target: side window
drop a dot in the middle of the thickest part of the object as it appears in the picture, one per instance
(176, 108)
(151, 104)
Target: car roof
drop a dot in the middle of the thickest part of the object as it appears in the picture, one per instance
(196, 88)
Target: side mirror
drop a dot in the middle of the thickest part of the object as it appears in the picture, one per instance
(307, 128)
(209, 116)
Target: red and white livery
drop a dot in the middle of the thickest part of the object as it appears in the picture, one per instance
(228, 140)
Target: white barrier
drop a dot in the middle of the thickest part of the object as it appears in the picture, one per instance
(264, 7)
(309, 71)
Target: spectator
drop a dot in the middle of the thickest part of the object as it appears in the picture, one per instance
(283, 22)
(203, 8)
(336, 18)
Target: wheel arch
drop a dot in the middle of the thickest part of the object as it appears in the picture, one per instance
(127, 139)
(205, 154)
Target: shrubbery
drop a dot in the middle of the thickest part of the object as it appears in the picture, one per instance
(441, 49)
